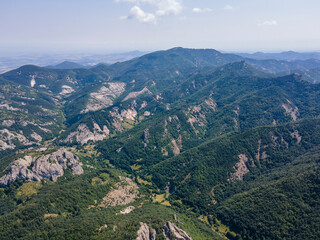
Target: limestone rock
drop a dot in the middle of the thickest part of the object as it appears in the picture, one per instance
(8, 123)
(240, 168)
(291, 110)
(124, 192)
(144, 233)
(127, 210)
(136, 94)
(50, 166)
(8, 139)
(36, 136)
(65, 89)
(104, 97)
(83, 134)
(171, 231)
(129, 114)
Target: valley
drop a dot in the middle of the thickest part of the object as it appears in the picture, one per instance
(176, 144)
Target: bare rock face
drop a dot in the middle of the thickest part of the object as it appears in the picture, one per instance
(49, 166)
(8, 138)
(36, 136)
(136, 94)
(66, 90)
(84, 135)
(291, 110)
(104, 97)
(129, 114)
(127, 210)
(176, 147)
(196, 117)
(124, 192)
(8, 123)
(171, 231)
(211, 103)
(240, 168)
(144, 233)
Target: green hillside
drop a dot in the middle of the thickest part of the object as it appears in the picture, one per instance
(183, 142)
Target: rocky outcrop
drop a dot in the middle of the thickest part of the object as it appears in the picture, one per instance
(211, 103)
(143, 105)
(127, 210)
(260, 155)
(129, 114)
(136, 94)
(144, 233)
(175, 147)
(236, 119)
(104, 97)
(195, 117)
(50, 166)
(36, 136)
(171, 231)
(9, 138)
(32, 81)
(240, 168)
(297, 136)
(5, 105)
(146, 136)
(24, 123)
(291, 110)
(8, 123)
(65, 89)
(83, 134)
(124, 192)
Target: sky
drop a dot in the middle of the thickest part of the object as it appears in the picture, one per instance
(147, 25)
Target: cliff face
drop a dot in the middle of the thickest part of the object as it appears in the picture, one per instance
(50, 166)
(9, 138)
(145, 233)
(171, 231)
(83, 134)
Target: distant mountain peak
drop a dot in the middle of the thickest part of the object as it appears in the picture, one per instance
(66, 65)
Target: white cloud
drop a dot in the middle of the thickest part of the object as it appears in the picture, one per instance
(201, 10)
(167, 7)
(228, 7)
(137, 13)
(161, 8)
(268, 23)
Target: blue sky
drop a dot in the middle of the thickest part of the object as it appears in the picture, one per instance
(122, 25)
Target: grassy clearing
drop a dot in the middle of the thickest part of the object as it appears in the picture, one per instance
(29, 188)
(50, 215)
(141, 181)
(103, 179)
(135, 167)
(162, 199)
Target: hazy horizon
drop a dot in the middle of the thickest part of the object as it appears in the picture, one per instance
(113, 26)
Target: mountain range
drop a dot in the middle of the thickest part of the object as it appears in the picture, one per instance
(175, 144)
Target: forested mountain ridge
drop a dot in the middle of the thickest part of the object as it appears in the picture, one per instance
(180, 142)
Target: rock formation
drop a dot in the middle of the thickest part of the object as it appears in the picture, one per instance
(144, 233)
(83, 134)
(9, 138)
(124, 192)
(171, 231)
(50, 166)
(104, 97)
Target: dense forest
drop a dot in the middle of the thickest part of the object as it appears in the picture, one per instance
(184, 142)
